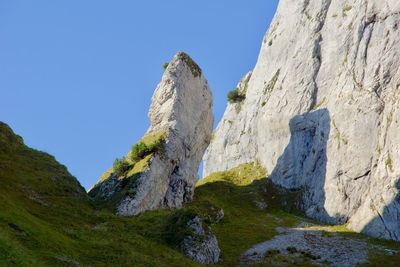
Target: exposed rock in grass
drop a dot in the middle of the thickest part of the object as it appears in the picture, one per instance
(201, 245)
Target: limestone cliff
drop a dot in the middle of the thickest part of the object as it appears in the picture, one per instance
(321, 112)
(181, 122)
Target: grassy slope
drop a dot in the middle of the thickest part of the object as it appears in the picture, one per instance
(47, 220)
(244, 224)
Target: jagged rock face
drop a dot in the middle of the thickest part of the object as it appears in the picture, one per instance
(322, 112)
(202, 245)
(181, 108)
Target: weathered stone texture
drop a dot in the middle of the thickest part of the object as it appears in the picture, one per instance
(322, 112)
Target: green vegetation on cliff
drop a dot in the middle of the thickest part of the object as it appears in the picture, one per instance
(235, 96)
(139, 155)
(194, 68)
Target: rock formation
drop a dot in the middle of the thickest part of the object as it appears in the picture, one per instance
(201, 245)
(181, 122)
(321, 112)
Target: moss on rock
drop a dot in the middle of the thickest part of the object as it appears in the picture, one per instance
(194, 68)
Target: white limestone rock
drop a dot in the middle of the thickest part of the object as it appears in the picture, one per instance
(181, 108)
(322, 112)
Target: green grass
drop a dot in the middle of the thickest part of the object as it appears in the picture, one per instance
(235, 96)
(389, 163)
(165, 66)
(149, 144)
(338, 136)
(140, 154)
(128, 170)
(241, 175)
(46, 219)
(244, 224)
(121, 166)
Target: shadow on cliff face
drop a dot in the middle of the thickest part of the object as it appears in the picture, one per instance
(300, 175)
(386, 224)
(301, 168)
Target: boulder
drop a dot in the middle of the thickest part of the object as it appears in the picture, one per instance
(201, 245)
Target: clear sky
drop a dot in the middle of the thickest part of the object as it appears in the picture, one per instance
(77, 76)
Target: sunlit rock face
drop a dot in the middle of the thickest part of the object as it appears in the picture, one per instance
(181, 112)
(321, 112)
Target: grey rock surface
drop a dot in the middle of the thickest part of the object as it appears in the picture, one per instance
(202, 245)
(312, 244)
(180, 108)
(322, 112)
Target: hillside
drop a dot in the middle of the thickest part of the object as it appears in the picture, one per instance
(46, 219)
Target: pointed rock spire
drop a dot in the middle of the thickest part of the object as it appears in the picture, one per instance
(161, 170)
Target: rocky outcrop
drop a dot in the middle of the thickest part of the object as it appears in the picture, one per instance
(181, 122)
(201, 245)
(321, 112)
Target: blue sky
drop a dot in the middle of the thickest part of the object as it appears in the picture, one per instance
(76, 77)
